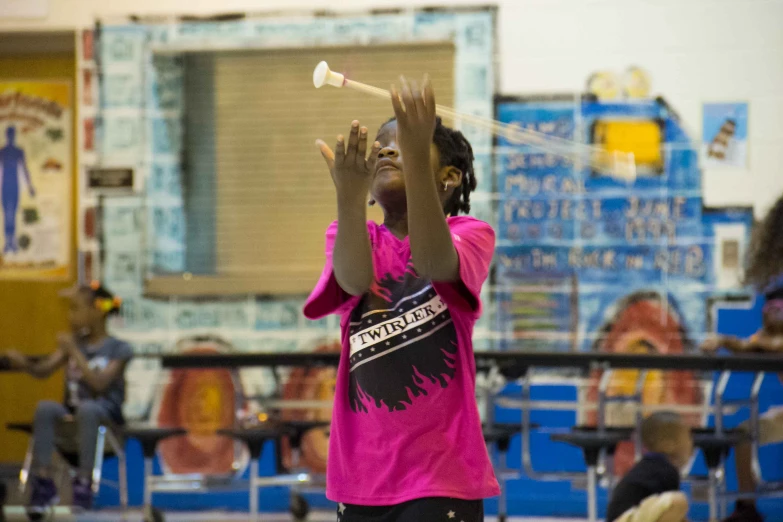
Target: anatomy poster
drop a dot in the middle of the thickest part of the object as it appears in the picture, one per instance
(35, 179)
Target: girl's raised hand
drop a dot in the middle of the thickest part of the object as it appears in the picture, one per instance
(351, 168)
(414, 110)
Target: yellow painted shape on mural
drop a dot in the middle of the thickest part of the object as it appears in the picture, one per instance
(642, 138)
(623, 382)
(204, 405)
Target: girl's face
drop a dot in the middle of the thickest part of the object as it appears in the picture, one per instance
(82, 312)
(388, 185)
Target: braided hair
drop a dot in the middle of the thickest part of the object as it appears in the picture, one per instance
(454, 151)
(765, 256)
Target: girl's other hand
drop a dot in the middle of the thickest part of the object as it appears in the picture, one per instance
(414, 109)
(350, 167)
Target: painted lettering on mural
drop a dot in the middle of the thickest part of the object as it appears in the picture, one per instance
(633, 219)
(689, 261)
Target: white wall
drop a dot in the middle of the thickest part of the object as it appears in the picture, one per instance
(695, 51)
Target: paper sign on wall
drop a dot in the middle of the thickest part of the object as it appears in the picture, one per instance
(725, 135)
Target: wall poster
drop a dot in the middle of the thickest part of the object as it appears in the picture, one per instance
(35, 179)
(725, 134)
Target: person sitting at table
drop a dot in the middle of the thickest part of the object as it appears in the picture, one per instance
(765, 272)
(95, 390)
(649, 492)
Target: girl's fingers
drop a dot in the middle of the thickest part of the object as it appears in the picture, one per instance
(418, 100)
(407, 98)
(326, 152)
(399, 112)
(361, 148)
(370, 162)
(429, 96)
(339, 150)
(353, 142)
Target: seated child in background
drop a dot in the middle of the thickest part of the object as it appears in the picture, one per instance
(649, 492)
(95, 390)
(764, 271)
(768, 340)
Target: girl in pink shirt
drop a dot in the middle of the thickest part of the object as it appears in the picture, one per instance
(406, 443)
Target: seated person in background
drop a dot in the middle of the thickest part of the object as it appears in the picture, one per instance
(95, 390)
(765, 272)
(649, 492)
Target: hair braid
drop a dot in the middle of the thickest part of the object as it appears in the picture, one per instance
(765, 256)
(455, 151)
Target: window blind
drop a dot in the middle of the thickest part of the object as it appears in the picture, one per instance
(273, 196)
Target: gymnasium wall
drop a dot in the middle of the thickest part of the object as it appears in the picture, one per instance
(695, 51)
(542, 47)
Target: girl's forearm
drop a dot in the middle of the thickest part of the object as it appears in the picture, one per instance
(432, 248)
(352, 256)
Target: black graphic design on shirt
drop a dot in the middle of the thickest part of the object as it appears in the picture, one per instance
(401, 335)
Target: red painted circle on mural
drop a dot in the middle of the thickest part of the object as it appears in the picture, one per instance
(201, 401)
(645, 323)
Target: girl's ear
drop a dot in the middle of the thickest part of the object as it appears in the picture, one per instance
(450, 176)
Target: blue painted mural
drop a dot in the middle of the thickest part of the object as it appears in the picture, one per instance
(589, 262)
(573, 244)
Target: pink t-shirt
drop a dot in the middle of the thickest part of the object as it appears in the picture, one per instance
(405, 423)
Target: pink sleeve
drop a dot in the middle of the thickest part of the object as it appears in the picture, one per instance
(474, 241)
(328, 297)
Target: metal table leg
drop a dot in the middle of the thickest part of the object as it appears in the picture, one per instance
(254, 490)
(592, 501)
(148, 481)
(712, 485)
(502, 501)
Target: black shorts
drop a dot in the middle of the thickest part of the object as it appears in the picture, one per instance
(436, 509)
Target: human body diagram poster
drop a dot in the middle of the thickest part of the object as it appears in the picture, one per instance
(35, 179)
